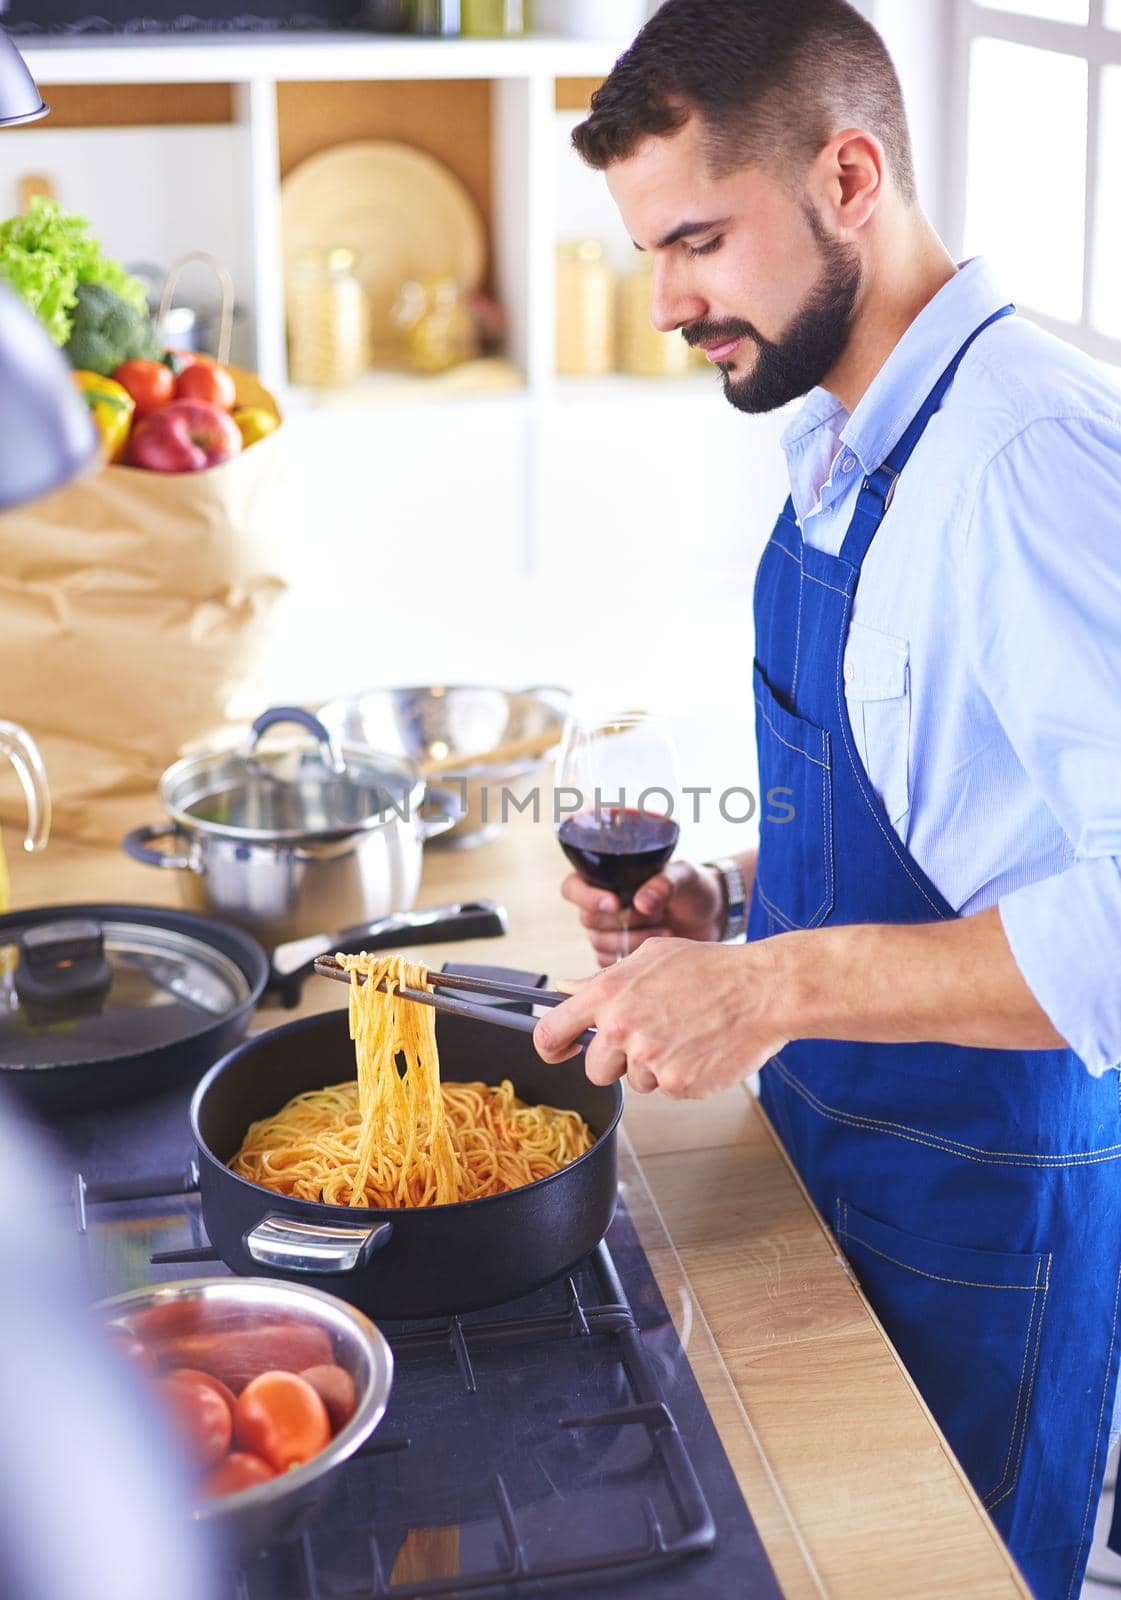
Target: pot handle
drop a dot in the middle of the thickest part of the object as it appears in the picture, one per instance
(136, 842)
(448, 807)
(285, 1244)
(328, 751)
(471, 919)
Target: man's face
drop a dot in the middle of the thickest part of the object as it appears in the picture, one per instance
(744, 269)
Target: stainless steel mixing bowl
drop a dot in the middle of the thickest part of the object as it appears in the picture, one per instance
(429, 722)
(283, 1507)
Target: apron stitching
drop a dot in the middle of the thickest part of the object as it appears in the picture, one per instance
(861, 780)
(827, 822)
(999, 1484)
(1097, 1442)
(777, 543)
(938, 1141)
(798, 631)
(938, 1277)
(805, 754)
(842, 592)
(780, 916)
(1031, 1391)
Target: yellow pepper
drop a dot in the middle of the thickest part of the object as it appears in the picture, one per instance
(111, 407)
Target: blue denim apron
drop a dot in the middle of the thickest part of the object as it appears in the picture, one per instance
(976, 1193)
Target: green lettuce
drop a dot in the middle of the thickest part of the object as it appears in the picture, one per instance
(46, 253)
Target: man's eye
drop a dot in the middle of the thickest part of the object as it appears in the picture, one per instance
(705, 249)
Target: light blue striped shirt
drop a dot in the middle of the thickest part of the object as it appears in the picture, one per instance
(983, 665)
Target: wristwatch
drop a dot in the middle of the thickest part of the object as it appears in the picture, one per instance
(733, 886)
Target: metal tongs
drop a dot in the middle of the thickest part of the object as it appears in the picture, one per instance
(328, 967)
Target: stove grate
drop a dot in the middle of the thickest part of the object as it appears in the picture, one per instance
(664, 1518)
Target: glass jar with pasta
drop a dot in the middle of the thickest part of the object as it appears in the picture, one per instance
(643, 349)
(328, 320)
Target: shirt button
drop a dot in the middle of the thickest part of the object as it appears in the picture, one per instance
(847, 463)
(850, 672)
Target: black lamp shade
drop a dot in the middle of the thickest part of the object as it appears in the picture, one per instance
(20, 100)
(46, 434)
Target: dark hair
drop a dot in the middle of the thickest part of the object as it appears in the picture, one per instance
(772, 81)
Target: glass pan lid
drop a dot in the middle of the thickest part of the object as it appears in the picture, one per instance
(82, 990)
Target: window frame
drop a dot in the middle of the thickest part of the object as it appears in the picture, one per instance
(1099, 47)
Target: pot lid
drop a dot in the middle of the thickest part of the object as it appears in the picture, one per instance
(81, 989)
(302, 790)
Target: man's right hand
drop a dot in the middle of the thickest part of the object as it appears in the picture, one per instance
(683, 902)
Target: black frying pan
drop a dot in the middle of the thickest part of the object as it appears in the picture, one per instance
(419, 1262)
(128, 1053)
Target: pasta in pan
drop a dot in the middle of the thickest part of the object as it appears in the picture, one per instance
(396, 1136)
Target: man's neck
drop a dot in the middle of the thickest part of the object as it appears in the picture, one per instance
(909, 269)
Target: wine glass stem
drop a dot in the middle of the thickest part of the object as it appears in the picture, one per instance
(624, 930)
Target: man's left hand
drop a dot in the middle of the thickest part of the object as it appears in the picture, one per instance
(687, 1018)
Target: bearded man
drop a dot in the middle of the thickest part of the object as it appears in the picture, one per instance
(929, 979)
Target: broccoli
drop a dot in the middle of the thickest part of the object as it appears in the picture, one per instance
(107, 330)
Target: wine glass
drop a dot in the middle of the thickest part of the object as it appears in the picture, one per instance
(618, 787)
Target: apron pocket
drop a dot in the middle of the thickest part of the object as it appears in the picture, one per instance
(967, 1326)
(794, 876)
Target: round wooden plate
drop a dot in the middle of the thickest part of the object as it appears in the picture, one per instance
(399, 209)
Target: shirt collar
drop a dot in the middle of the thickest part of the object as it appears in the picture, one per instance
(910, 371)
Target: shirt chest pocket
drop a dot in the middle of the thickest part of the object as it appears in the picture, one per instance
(877, 682)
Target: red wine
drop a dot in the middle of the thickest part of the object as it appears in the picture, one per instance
(618, 850)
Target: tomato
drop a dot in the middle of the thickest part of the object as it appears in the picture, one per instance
(280, 1416)
(201, 1416)
(191, 1375)
(203, 381)
(335, 1387)
(238, 1471)
(149, 383)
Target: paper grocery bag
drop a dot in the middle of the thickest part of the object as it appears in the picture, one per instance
(133, 616)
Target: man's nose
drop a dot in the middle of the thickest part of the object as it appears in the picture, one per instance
(673, 304)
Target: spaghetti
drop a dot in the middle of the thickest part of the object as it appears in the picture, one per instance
(397, 1136)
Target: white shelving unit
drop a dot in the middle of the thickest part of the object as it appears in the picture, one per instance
(599, 533)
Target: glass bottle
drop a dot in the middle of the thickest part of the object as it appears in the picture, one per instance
(586, 297)
(494, 19)
(328, 320)
(435, 16)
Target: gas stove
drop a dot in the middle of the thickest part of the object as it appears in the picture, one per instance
(557, 1443)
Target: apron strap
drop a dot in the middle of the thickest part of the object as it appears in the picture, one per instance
(878, 487)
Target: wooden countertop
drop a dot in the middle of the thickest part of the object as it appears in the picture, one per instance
(872, 1492)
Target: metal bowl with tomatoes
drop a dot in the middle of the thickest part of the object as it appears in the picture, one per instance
(269, 1387)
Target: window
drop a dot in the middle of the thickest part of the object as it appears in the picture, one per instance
(1039, 170)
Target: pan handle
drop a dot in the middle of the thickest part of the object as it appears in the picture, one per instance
(285, 1244)
(136, 844)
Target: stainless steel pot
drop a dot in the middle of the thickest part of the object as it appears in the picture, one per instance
(289, 839)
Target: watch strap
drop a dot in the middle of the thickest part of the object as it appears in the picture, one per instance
(733, 886)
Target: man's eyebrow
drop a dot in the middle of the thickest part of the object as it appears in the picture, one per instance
(684, 230)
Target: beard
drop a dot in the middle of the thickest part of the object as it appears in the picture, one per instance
(789, 367)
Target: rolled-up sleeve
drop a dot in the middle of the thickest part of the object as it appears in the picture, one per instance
(1043, 588)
